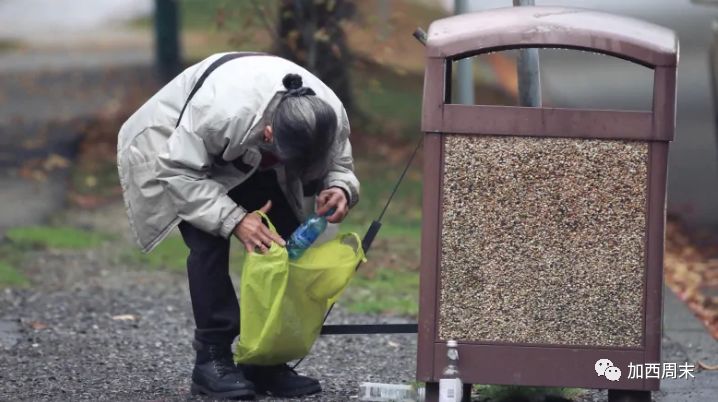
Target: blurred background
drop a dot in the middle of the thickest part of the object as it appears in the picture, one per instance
(72, 71)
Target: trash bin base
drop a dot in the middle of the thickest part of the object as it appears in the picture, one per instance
(622, 395)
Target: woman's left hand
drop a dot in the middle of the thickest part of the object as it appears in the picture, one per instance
(333, 197)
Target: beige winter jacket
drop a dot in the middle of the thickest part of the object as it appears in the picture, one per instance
(172, 174)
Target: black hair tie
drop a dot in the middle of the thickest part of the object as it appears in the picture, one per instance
(293, 84)
(292, 81)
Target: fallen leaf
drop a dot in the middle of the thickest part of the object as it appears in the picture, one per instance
(38, 325)
(55, 161)
(93, 200)
(31, 170)
(90, 181)
(708, 367)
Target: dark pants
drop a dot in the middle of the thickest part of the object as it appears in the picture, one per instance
(214, 302)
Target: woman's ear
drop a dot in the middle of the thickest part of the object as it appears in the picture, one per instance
(268, 135)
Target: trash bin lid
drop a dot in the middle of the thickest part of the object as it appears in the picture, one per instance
(505, 28)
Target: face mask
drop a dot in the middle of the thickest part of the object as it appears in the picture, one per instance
(268, 147)
(271, 148)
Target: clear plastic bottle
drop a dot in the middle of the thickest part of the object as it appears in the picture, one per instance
(306, 234)
(450, 385)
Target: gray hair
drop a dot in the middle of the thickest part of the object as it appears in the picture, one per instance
(304, 128)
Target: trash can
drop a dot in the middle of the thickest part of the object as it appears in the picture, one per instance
(543, 228)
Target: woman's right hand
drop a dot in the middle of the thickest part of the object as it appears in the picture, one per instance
(254, 234)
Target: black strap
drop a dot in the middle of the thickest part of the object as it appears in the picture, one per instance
(362, 329)
(208, 71)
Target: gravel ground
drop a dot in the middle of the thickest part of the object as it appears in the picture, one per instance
(62, 343)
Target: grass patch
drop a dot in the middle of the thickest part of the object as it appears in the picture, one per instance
(377, 178)
(218, 14)
(172, 254)
(98, 179)
(391, 231)
(208, 15)
(9, 276)
(54, 237)
(389, 101)
(142, 23)
(8, 45)
(387, 291)
(509, 393)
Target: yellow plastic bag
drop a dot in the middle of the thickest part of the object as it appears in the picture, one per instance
(283, 303)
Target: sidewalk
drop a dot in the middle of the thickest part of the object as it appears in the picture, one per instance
(685, 340)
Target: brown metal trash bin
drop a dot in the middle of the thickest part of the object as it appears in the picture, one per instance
(543, 228)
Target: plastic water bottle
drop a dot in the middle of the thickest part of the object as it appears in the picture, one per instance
(450, 385)
(306, 234)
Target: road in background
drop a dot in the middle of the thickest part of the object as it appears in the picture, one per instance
(29, 19)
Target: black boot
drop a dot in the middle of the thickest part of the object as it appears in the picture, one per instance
(280, 380)
(216, 375)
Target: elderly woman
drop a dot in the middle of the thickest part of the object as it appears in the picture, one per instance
(235, 133)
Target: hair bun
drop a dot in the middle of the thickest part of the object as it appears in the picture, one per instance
(292, 81)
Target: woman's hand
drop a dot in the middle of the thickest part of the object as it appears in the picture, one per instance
(253, 234)
(333, 197)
